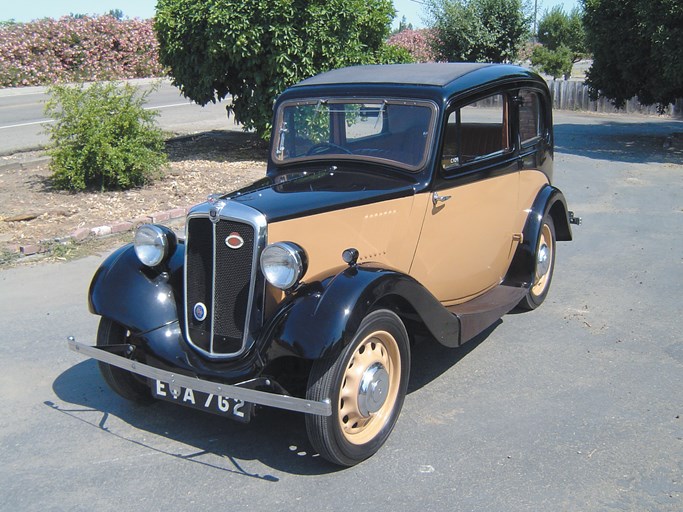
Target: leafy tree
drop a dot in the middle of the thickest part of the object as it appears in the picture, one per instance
(563, 39)
(254, 49)
(558, 29)
(636, 46)
(116, 14)
(478, 30)
(402, 25)
(556, 63)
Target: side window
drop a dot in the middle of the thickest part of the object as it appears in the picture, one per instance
(530, 120)
(476, 131)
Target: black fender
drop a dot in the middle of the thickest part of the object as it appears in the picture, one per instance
(134, 295)
(321, 319)
(549, 200)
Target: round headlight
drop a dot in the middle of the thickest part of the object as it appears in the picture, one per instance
(153, 244)
(283, 264)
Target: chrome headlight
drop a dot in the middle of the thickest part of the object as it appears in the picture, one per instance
(153, 244)
(283, 264)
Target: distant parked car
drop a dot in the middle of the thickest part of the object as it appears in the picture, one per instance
(397, 198)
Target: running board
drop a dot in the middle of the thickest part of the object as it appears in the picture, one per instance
(478, 314)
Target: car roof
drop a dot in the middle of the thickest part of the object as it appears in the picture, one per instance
(437, 74)
(433, 80)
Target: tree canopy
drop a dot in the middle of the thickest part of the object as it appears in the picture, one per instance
(478, 30)
(636, 46)
(558, 28)
(253, 49)
(563, 39)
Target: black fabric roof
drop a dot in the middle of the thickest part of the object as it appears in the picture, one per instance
(437, 74)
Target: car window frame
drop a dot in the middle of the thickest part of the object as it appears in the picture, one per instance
(488, 159)
(542, 130)
(413, 169)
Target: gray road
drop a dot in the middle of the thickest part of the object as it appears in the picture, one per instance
(22, 122)
(577, 406)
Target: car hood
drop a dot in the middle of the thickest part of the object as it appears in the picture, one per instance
(310, 192)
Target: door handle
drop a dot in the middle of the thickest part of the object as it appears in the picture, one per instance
(436, 198)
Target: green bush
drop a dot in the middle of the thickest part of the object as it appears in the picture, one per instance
(252, 50)
(102, 137)
(556, 63)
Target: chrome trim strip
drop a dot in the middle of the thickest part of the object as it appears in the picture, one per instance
(175, 381)
(213, 290)
(236, 212)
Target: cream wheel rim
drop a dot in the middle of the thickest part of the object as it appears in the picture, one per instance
(369, 387)
(544, 261)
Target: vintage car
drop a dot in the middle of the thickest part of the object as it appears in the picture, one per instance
(398, 199)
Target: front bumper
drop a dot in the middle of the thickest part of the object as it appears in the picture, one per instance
(175, 381)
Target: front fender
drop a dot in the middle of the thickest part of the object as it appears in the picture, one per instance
(320, 320)
(138, 297)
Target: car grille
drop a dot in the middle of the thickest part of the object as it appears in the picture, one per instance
(219, 278)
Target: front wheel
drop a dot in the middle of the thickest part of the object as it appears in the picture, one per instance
(366, 385)
(122, 382)
(545, 264)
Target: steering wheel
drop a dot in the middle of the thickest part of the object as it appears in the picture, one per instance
(320, 148)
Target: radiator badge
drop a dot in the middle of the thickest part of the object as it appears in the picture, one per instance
(234, 240)
(199, 311)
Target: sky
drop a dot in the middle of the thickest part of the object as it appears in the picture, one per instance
(32, 9)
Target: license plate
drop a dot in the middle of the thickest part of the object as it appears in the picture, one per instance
(237, 410)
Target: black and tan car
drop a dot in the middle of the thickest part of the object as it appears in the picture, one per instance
(398, 199)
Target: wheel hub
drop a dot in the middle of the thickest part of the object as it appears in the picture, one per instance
(372, 392)
(542, 260)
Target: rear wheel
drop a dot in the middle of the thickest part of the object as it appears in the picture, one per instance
(366, 385)
(122, 382)
(545, 264)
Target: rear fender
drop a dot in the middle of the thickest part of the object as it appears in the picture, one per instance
(548, 201)
(134, 295)
(322, 318)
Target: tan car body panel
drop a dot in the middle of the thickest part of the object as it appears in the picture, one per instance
(485, 222)
(384, 232)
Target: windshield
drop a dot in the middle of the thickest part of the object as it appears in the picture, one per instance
(396, 131)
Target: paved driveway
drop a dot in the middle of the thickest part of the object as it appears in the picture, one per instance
(576, 406)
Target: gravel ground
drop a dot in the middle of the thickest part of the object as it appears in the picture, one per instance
(32, 211)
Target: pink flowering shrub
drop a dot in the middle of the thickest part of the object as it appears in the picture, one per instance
(77, 49)
(417, 42)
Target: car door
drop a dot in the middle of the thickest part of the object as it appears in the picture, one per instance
(468, 234)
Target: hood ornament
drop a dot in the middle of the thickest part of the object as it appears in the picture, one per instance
(217, 204)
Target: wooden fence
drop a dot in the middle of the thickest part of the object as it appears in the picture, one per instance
(573, 95)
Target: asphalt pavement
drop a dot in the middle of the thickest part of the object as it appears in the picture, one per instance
(576, 406)
(22, 121)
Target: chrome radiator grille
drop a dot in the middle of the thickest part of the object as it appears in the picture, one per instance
(218, 284)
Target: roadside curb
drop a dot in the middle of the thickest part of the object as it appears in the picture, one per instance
(24, 164)
(85, 233)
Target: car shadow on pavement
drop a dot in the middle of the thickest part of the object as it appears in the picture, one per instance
(653, 142)
(430, 359)
(274, 437)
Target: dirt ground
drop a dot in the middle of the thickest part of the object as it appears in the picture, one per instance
(31, 210)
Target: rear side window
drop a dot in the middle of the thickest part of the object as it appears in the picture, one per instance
(476, 131)
(530, 120)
